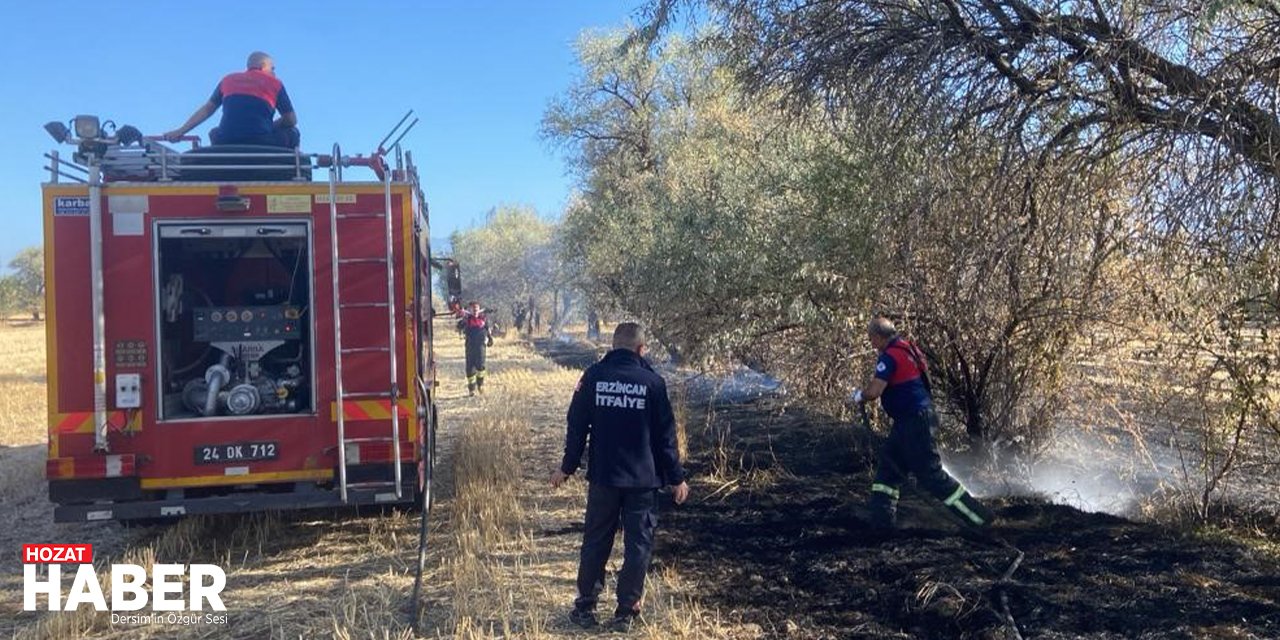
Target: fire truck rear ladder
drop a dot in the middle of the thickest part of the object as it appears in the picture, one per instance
(340, 350)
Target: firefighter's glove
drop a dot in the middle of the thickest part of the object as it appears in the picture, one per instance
(856, 396)
(489, 342)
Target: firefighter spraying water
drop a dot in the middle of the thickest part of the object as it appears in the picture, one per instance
(901, 382)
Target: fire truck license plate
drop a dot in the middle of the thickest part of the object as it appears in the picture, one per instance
(238, 452)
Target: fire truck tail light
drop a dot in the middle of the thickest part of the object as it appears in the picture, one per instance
(109, 466)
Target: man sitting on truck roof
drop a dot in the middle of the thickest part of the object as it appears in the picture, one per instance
(248, 99)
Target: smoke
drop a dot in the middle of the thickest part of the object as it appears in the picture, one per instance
(1098, 470)
(1082, 470)
(736, 385)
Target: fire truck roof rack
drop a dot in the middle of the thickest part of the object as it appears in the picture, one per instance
(128, 156)
(156, 162)
(57, 164)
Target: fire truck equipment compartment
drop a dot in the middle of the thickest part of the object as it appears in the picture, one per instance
(234, 320)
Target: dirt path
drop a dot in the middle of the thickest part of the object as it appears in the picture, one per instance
(321, 573)
(512, 541)
(502, 547)
(294, 574)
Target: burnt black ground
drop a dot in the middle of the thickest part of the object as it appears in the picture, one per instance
(789, 552)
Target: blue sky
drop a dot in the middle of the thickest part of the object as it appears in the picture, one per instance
(479, 75)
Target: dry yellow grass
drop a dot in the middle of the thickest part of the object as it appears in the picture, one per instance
(22, 389)
(23, 408)
(27, 512)
(514, 550)
(502, 553)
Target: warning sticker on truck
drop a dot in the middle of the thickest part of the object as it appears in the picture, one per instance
(70, 206)
(343, 198)
(289, 204)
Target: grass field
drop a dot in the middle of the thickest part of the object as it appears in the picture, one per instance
(22, 409)
(22, 389)
(502, 549)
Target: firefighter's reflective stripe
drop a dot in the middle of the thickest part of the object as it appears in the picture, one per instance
(480, 374)
(892, 492)
(370, 409)
(956, 501)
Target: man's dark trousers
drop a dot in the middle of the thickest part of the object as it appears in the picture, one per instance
(637, 511)
(287, 138)
(910, 449)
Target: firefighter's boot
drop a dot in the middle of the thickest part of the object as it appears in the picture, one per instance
(883, 506)
(480, 383)
(968, 509)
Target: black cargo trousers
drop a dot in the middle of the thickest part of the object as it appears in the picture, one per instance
(910, 449)
(637, 510)
(475, 350)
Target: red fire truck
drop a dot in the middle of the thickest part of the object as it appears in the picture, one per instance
(225, 334)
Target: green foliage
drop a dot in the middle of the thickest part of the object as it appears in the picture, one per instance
(9, 296)
(736, 229)
(670, 225)
(509, 263)
(22, 290)
(759, 191)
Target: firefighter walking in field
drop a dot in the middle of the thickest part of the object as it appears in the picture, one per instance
(474, 326)
(621, 406)
(901, 383)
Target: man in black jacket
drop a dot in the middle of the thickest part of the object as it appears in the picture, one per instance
(622, 407)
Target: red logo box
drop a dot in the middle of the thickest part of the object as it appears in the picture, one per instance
(57, 554)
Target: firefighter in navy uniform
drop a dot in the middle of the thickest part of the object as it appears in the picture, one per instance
(622, 407)
(474, 326)
(249, 99)
(902, 385)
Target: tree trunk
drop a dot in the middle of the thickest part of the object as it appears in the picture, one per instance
(555, 312)
(535, 319)
(593, 324)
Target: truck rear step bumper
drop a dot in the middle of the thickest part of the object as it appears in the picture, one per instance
(233, 503)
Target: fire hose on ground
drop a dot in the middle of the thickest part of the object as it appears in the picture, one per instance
(416, 613)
